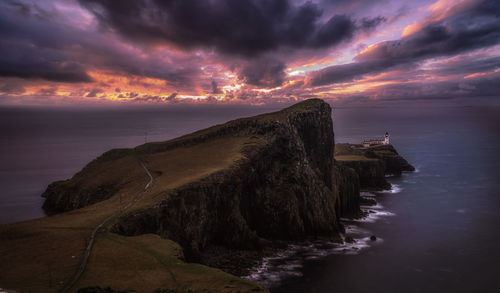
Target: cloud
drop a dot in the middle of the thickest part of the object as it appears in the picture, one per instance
(38, 44)
(47, 91)
(171, 97)
(93, 92)
(445, 90)
(12, 87)
(466, 31)
(265, 72)
(248, 51)
(246, 27)
(336, 30)
(215, 88)
(23, 49)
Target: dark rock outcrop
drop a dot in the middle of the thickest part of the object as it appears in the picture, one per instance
(66, 195)
(346, 188)
(286, 187)
(394, 163)
(282, 190)
(372, 164)
(78, 192)
(371, 173)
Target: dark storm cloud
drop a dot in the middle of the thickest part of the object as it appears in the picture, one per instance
(172, 97)
(466, 31)
(93, 92)
(38, 45)
(369, 24)
(446, 90)
(245, 27)
(215, 88)
(337, 29)
(468, 66)
(12, 87)
(264, 72)
(18, 60)
(24, 52)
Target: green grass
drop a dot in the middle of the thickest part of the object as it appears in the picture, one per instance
(353, 158)
(42, 255)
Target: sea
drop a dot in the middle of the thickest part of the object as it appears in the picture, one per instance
(437, 229)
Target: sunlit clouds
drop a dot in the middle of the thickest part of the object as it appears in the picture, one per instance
(94, 52)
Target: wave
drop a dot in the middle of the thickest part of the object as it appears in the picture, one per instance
(395, 188)
(288, 262)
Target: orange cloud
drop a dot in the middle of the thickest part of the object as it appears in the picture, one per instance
(438, 11)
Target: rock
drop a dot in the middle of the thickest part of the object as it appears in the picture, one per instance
(368, 201)
(282, 190)
(371, 173)
(372, 164)
(394, 163)
(286, 187)
(349, 239)
(346, 187)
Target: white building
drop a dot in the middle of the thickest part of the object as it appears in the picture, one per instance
(373, 142)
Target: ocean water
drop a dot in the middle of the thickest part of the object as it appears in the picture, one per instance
(39, 146)
(437, 229)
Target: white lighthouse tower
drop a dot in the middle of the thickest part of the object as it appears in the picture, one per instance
(386, 138)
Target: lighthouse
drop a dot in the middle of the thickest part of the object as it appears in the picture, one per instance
(386, 138)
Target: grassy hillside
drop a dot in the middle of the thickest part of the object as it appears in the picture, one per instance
(249, 179)
(41, 255)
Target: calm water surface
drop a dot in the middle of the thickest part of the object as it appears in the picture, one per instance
(38, 147)
(438, 231)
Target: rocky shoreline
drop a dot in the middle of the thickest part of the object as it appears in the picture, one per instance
(353, 174)
(286, 183)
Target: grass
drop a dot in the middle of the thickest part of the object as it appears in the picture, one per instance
(353, 158)
(41, 255)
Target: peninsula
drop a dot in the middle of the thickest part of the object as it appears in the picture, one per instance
(159, 214)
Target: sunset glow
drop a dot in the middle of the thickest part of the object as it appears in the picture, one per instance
(83, 52)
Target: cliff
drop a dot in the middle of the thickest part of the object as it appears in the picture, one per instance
(240, 185)
(244, 185)
(89, 186)
(280, 189)
(372, 164)
(347, 188)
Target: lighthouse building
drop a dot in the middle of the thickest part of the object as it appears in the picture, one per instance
(378, 141)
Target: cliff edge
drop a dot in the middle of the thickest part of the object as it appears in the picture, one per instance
(372, 164)
(240, 186)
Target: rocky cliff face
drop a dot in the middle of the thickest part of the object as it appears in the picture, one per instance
(372, 164)
(281, 190)
(65, 195)
(394, 163)
(286, 187)
(371, 173)
(346, 188)
(94, 183)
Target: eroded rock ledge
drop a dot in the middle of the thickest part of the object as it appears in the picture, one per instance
(281, 190)
(286, 187)
(372, 164)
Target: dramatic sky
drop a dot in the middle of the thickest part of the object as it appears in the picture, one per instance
(255, 52)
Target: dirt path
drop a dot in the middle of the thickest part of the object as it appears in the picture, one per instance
(90, 244)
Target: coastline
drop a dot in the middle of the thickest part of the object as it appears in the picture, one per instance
(260, 138)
